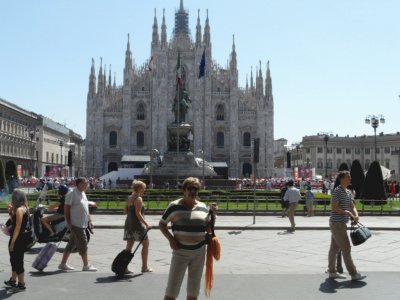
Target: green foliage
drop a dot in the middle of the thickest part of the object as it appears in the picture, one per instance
(373, 185)
(357, 178)
(3, 182)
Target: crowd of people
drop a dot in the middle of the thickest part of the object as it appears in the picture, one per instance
(190, 218)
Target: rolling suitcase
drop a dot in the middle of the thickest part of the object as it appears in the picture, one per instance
(123, 259)
(44, 256)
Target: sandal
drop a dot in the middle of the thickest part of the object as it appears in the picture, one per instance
(147, 270)
(10, 283)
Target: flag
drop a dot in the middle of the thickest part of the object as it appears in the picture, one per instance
(178, 70)
(151, 62)
(202, 66)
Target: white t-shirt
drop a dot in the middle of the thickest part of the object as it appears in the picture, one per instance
(79, 208)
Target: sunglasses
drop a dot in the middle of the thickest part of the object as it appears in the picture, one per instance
(192, 188)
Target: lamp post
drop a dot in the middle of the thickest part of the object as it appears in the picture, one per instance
(61, 144)
(374, 121)
(326, 139)
(32, 133)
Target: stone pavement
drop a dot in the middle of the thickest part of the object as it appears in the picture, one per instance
(255, 264)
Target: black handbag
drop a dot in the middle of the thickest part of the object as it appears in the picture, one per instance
(359, 234)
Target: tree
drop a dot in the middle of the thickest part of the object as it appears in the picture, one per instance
(3, 182)
(11, 170)
(373, 185)
(342, 167)
(357, 178)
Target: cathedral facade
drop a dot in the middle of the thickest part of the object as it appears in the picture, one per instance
(132, 119)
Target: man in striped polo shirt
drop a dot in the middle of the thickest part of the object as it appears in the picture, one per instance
(343, 209)
(189, 218)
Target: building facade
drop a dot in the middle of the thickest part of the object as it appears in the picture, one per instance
(132, 119)
(326, 154)
(18, 138)
(37, 145)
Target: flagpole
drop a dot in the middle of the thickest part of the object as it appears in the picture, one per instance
(178, 112)
(204, 127)
(151, 122)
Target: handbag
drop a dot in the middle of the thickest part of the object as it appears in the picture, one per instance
(359, 234)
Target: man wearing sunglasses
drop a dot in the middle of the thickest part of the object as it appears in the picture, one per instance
(190, 219)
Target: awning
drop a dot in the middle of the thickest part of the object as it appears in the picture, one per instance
(218, 164)
(135, 158)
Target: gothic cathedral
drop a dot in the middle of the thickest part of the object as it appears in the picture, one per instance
(132, 119)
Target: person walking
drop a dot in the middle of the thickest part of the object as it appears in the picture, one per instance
(309, 201)
(76, 211)
(190, 220)
(19, 213)
(293, 196)
(136, 226)
(343, 209)
(284, 204)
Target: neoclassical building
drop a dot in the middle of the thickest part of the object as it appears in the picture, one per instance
(132, 119)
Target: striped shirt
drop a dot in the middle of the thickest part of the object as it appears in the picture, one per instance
(343, 196)
(188, 226)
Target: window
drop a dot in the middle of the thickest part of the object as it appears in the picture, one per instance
(246, 170)
(348, 150)
(140, 139)
(387, 150)
(378, 150)
(47, 156)
(338, 163)
(329, 164)
(57, 159)
(247, 139)
(348, 163)
(113, 139)
(387, 163)
(339, 150)
(220, 113)
(367, 151)
(320, 164)
(140, 110)
(329, 150)
(357, 151)
(220, 139)
(307, 150)
(319, 149)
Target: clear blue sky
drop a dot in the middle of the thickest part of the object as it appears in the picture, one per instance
(332, 62)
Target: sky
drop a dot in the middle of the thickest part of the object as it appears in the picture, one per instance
(332, 62)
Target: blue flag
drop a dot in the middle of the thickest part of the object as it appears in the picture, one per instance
(202, 67)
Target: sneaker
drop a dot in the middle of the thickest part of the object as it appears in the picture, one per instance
(65, 267)
(10, 283)
(19, 288)
(357, 276)
(337, 275)
(89, 268)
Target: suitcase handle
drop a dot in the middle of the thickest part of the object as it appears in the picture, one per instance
(141, 240)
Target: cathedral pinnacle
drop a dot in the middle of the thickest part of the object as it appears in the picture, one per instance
(198, 30)
(207, 35)
(181, 21)
(163, 32)
(155, 40)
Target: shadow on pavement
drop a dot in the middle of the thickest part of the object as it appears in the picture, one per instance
(114, 278)
(44, 273)
(330, 286)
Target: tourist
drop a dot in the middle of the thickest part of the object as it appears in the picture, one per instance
(136, 226)
(293, 196)
(343, 209)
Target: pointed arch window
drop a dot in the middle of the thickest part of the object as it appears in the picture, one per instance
(141, 112)
(220, 139)
(140, 139)
(220, 112)
(247, 139)
(113, 139)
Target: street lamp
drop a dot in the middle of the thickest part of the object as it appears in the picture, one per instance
(326, 139)
(32, 133)
(374, 121)
(61, 144)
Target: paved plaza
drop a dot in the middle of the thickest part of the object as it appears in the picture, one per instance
(255, 264)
